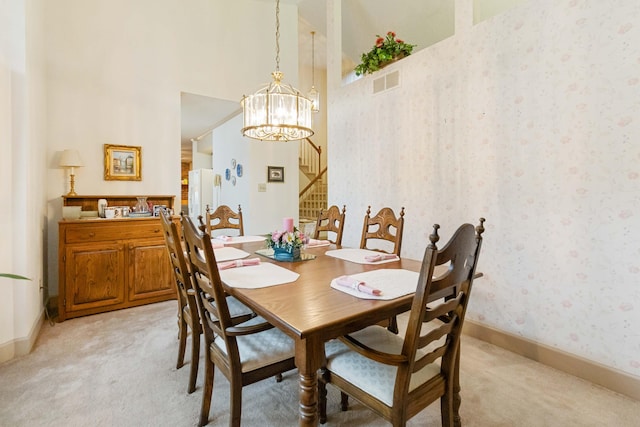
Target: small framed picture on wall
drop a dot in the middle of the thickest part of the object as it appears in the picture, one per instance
(275, 174)
(122, 163)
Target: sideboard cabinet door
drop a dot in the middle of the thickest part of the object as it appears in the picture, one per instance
(149, 271)
(94, 276)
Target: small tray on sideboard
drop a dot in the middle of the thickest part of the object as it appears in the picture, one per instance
(140, 214)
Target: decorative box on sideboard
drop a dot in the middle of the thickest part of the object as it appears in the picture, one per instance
(110, 264)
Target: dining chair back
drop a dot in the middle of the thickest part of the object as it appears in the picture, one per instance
(331, 220)
(244, 351)
(384, 230)
(224, 218)
(396, 376)
(384, 226)
(188, 318)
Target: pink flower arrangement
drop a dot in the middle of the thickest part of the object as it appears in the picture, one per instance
(287, 240)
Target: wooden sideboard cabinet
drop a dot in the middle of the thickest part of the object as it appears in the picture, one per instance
(109, 264)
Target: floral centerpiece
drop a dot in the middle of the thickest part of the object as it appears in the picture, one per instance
(286, 244)
(387, 49)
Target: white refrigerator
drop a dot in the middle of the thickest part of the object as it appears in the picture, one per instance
(201, 192)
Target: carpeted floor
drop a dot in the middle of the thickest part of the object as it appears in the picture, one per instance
(118, 369)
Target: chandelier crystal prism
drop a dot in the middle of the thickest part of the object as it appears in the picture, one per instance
(277, 112)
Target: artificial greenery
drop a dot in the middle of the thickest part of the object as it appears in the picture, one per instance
(13, 276)
(386, 49)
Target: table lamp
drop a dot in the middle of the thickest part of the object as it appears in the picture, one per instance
(71, 159)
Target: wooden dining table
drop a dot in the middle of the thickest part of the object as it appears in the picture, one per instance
(312, 313)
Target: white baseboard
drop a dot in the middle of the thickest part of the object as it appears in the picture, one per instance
(21, 346)
(612, 379)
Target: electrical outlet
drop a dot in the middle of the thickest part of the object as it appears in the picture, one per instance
(262, 188)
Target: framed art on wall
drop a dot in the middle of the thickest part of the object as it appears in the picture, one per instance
(275, 174)
(122, 163)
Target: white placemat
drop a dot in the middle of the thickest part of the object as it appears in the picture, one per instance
(357, 255)
(239, 239)
(257, 276)
(393, 282)
(229, 253)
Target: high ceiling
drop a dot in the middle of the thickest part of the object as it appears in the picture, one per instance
(422, 22)
(200, 113)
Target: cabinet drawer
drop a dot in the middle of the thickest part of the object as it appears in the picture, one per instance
(96, 233)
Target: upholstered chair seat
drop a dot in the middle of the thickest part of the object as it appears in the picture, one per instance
(367, 374)
(261, 349)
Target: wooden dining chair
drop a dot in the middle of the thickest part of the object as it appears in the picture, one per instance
(236, 304)
(395, 376)
(223, 218)
(331, 220)
(384, 229)
(188, 317)
(245, 352)
(384, 226)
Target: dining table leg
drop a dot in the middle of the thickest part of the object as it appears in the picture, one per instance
(309, 354)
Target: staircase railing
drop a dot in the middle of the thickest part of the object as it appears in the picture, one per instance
(310, 164)
(309, 153)
(313, 182)
(313, 197)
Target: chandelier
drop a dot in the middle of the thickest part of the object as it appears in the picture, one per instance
(313, 94)
(277, 112)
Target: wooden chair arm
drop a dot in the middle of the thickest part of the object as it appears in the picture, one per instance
(236, 320)
(378, 356)
(236, 331)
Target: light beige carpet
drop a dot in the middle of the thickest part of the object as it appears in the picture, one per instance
(118, 369)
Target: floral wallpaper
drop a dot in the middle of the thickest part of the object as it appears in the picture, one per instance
(530, 119)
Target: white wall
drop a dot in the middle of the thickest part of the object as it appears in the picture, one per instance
(529, 119)
(12, 68)
(199, 159)
(115, 71)
(22, 218)
(262, 212)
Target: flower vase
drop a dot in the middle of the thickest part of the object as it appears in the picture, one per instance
(142, 206)
(286, 254)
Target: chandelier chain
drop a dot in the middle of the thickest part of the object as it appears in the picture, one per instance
(277, 112)
(277, 35)
(313, 58)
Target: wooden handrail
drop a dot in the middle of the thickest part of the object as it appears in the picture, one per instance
(313, 181)
(318, 150)
(307, 147)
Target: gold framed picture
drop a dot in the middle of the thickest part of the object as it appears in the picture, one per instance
(122, 163)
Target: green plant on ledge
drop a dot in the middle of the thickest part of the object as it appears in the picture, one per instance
(13, 276)
(387, 49)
